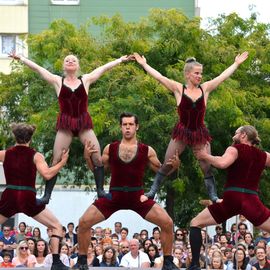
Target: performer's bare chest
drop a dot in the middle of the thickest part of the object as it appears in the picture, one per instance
(127, 152)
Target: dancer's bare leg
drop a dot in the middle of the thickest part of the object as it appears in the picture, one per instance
(62, 142)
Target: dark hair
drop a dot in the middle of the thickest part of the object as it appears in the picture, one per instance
(37, 228)
(127, 114)
(23, 132)
(124, 229)
(5, 254)
(245, 261)
(46, 250)
(156, 255)
(242, 224)
(113, 261)
(70, 223)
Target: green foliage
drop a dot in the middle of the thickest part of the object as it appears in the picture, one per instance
(166, 39)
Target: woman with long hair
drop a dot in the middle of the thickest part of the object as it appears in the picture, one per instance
(41, 251)
(36, 233)
(31, 244)
(74, 119)
(153, 253)
(109, 258)
(23, 256)
(240, 261)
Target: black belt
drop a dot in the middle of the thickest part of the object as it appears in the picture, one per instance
(242, 190)
(14, 187)
(126, 189)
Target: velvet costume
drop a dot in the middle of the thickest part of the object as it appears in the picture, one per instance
(126, 176)
(190, 128)
(74, 115)
(20, 173)
(243, 176)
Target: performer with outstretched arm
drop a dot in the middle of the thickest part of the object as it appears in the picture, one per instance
(191, 100)
(244, 163)
(74, 118)
(20, 163)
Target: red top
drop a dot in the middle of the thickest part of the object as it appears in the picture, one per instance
(19, 166)
(73, 105)
(246, 171)
(191, 128)
(131, 173)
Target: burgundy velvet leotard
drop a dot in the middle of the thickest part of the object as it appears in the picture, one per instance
(74, 115)
(191, 128)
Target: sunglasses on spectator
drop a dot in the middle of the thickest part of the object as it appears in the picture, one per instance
(23, 248)
(6, 230)
(178, 234)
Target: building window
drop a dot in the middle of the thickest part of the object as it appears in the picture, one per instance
(10, 43)
(11, 2)
(65, 2)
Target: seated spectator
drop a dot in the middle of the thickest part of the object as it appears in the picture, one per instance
(153, 253)
(262, 262)
(107, 233)
(239, 261)
(40, 252)
(23, 256)
(9, 241)
(146, 243)
(178, 255)
(48, 259)
(92, 260)
(6, 263)
(36, 233)
(135, 257)
(21, 234)
(123, 235)
(31, 244)
(124, 249)
(216, 261)
(28, 232)
(109, 258)
(143, 235)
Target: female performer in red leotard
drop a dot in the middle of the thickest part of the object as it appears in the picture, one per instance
(191, 100)
(73, 119)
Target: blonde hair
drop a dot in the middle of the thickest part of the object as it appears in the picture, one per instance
(18, 251)
(191, 62)
(252, 134)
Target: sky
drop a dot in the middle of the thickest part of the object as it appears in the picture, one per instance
(213, 8)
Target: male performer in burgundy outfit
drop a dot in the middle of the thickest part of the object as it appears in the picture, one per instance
(245, 164)
(21, 163)
(127, 160)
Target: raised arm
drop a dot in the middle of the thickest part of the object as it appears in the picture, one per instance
(154, 162)
(105, 157)
(267, 163)
(209, 86)
(52, 79)
(90, 78)
(168, 83)
(221, 162)
(2, 155)
(46, 171)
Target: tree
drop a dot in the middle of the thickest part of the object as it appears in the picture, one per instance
(166, 38)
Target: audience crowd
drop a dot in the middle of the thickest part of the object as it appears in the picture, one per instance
(234, 249)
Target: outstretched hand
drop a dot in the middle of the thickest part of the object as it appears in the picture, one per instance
(240, 58)
(143, 198)
(200, 153)
(174, 161)
(140, 59)
(64, 156)
(14, 55)
(89, 149)
(126, 58)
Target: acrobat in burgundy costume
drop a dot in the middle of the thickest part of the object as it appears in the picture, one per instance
(126, 184)
(240, 194)
(74, 116)
(191, 130)
(20, 173)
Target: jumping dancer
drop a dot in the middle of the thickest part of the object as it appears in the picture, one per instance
(73, 119)
(244, 163)
(191, 100)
